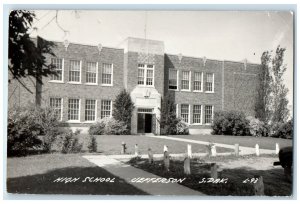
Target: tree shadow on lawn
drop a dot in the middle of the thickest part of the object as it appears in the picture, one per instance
(275, 183)
(43, 183)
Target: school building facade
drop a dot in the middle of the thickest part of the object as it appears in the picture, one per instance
(90, 77)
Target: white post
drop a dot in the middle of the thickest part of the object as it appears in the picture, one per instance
(236, 150)
(257, 150)
(189, 151)
(277, 148)
(165, 148)
(213, 151)
(136, 150)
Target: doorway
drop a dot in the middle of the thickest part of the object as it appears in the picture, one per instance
(144, 123)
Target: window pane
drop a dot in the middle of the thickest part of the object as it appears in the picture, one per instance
(90, 110)
(57, 63)
(141, 76)
(149, 80)
(105, 108)
(145, 74)
(91, 74)
(74, 73)
(208, 114)
(185, 112)
(197, 81)
(185, 83)
(209, 82)
(172, 79)
(107, 74)
(197, 114)
(73, 109)
(56, 104)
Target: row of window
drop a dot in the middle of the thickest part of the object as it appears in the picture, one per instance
(74, 108)
(186, 81)
(75, 73)
(196, 114)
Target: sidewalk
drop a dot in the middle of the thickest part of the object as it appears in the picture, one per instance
(243, 150)
(128, 173)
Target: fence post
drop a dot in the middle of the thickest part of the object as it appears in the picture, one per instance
(150, 156)
(277, 148)
(257, 150)
(189, 151)
(213, 150)
(136, 150)
(237, 149)
(165, 148)
(123, 148)
(214, 171)
(166, 160)
(259, 188)
(187, 166)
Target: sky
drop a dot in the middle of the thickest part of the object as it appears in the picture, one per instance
(222, 35)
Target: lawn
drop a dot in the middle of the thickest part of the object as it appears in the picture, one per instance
(275, 183)
(35, 175)
(247, 141)
(111, 144)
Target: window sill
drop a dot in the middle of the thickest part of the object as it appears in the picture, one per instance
(198, 91)
(106, 84)
(73, 121)
(209, 92)
(71, 82)
(173, 90)
(58, 82)
(140, 85)
(185, 90)
(196, 124)
(90, 122)
(91, 84)
(207, 124)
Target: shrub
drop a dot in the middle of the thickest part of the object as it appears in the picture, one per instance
(182, 128)
(92, 146)
(257, 128)
(283, 130)
(230, 123)
(123, 107)
(70, 142)
(108, 126)
(22, 132)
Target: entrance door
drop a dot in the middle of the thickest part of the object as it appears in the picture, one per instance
(141, 123)
(148, 123)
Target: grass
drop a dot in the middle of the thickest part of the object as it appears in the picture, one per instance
(274, 180)
(111, 144)
(247, 141)
(35, 175)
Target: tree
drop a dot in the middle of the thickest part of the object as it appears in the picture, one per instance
(26, 57)
(264, 90)
(123, 107)
(169, 120)
(281, 112)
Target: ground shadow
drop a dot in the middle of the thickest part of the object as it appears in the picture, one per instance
(43, 183)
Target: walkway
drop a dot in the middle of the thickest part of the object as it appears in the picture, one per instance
(243, 150)
(129, 173)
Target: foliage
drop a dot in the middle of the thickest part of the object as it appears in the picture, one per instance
(169, 121)
(258, 128)
(230, 123)
(108, 126)
(123, 107)
(70, 142)
(92, 146)
(283, 130)
(22, 132)
(182, 128)
(27, 57)
(27, 123)
(264, 89)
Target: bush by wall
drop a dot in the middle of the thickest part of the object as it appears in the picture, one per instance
(70, 142)
(92, 146)
(258, 128)
(283, 130)
(230, 123)
(108, 126)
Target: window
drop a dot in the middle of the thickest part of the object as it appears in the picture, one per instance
(208, 114)
(56, 104)
(58, 66)
(107, 74)
(198, 81)
(197, 114)
(73, 109)
(185, 82)
(91, 73)
(105, 108)
(173, 79)
(75, 69)
(90, 110)
(185, 109)
(209, 82)
(145, 74)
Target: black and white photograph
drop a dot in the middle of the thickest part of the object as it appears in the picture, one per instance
(150, 102)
